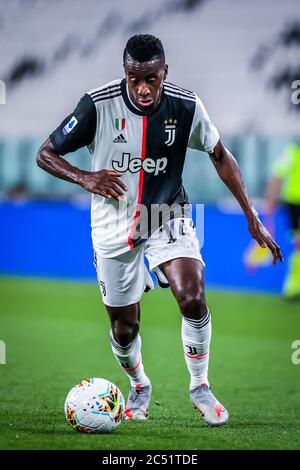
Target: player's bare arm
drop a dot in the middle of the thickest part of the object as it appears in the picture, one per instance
(106, 183)
(229, 172)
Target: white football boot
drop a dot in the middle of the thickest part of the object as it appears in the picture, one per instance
(209, 407)
(137, 406)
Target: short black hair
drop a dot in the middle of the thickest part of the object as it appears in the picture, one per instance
(144, 47)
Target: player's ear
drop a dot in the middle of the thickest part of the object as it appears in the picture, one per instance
(166, 68)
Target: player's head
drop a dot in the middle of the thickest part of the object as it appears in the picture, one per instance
(145, 70)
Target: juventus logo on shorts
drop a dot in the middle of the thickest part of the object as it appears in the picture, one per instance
(102, 286)
(170, 129)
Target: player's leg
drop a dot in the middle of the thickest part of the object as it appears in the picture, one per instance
(122, 283)
(177, 261)
(185, 277)
(126, 346)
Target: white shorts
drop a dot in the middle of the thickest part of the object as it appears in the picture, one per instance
(123, 279)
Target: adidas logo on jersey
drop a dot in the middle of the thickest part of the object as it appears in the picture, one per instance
(120, 139)
(136, 164)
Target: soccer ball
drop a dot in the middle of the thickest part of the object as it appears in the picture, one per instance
(95, 405)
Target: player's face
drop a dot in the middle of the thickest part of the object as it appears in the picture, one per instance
(145, 82)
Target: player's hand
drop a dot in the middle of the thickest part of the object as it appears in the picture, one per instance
(106, 183)
(263, 237)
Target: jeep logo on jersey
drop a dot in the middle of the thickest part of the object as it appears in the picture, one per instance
(170, 129)
(136, 164)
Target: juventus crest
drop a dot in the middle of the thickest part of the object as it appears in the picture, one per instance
(170, 129)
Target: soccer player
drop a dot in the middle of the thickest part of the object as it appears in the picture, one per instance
(137, 130)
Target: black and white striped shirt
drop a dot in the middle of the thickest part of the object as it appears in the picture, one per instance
(149, 148)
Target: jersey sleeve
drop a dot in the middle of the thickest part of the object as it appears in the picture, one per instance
(204, 135)
(78, 129)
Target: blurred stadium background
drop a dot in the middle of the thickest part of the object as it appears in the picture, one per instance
(240, 57)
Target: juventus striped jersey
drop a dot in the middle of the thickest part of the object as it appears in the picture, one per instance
(148, 148)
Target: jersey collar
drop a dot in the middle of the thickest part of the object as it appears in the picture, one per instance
(132, 107)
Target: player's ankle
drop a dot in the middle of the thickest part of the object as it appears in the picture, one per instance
(198, 383)
(145, 382)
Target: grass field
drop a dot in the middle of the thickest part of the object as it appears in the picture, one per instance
(56, 333)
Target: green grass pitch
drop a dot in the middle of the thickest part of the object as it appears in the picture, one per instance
(56, 333)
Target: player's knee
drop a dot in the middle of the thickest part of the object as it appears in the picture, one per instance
(125, 332)
(192, 306)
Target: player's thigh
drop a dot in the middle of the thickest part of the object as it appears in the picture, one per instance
(121, 279)
(185, 277)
